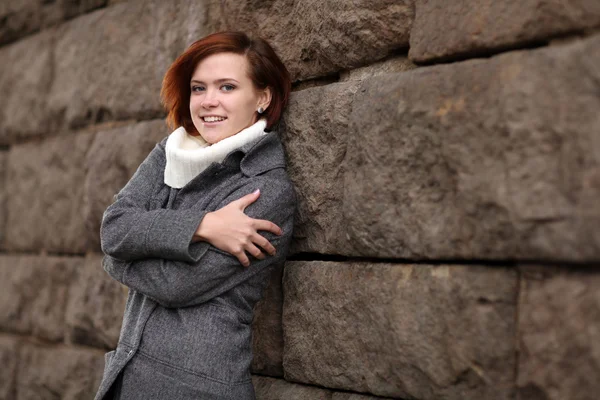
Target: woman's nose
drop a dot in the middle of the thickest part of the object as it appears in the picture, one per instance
(210, 100)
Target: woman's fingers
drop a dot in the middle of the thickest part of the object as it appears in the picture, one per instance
(242, 257)
(264, 225)
(248, 199)
(255, 251)
(263, 243)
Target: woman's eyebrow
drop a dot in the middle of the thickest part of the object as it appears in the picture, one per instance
(217, 81)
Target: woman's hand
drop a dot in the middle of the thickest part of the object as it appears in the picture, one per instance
(230, 230)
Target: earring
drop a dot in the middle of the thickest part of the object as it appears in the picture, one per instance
(261, 110)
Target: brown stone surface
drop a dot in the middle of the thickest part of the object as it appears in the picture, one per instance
(45, 206)
(559, 334)
(485, 159)
(34, 292)
(314, 132)
(411, 331)
(59, 373)
(109, 64)
(114, 157)
(9, 356)
(24, 83)
(95, 307)
(22, 17)
(395, 64)
(3, 157)
(450, 29)
(493, 158)
(267, 332)
(277, 389)
(354, 396)
(316, 38)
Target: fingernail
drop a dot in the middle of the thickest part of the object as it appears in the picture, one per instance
(257, 191)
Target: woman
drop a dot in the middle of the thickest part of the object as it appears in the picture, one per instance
(198, 229)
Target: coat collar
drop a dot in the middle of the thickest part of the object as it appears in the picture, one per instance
(259, 156)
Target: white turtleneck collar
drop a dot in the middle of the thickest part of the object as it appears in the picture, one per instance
(187, 155)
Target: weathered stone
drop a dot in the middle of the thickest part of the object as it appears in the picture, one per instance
(95, 307)
(34, 294)
(495, 158)
(489, 26)
(314, 132)
(58, 373)
(25, 77)
(276, 389)
(559, 334)
(3, 157)
(9, 355)
(45, 206)
(354, 396)
(109, 64)
(112, 160)
(413, 331)
(22, 17)
(316, 38)
(267, 332)
(396, 64)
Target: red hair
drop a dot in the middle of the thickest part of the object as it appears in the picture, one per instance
(265, 70)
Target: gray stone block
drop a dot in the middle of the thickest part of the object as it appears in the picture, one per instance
(409, 331)
(559, 334)
(450, 29)
(276, 389)
(34, 294)
(9, 358)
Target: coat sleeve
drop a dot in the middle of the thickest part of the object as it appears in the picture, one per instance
(181, 284)
(130, 224)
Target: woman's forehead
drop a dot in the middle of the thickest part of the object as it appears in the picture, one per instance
(221, 66)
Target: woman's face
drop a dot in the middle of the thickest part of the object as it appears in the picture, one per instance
(223, 99)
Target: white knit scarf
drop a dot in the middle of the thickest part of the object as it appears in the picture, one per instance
(187, 156)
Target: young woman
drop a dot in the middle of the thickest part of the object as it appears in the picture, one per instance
(198, 229)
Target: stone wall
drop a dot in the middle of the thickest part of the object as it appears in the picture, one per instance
(446, 156)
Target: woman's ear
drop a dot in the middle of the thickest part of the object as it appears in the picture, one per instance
(264, 98)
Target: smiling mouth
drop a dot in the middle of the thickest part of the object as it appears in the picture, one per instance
(213, 119)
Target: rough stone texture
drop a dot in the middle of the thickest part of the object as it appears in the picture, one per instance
(109, 64)
(411, 331)
(559, 334)
(396, 64)
(267, 331)
(276, 389)
(59, 373)
(353, 396)
(9, 355)
(489, 26)
(494, 158)
(22, 17)
(34, 294)
(3, 157)
(95, 307)
(112, 160)
(45, 205)
(314, 132)
(316, 38)
(24, 84)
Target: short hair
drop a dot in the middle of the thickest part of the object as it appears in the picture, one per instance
(265, 70)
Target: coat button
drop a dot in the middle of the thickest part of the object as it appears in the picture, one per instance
(130, 353)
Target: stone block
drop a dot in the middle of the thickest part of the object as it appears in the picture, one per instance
(267, 332)
(3, 195)
(58, 373)
(114, 156)
(315, 133)
(483, 159)
(22, 17)
(395, 64)
(109, 64)
(95, 308)
(409, 331)
(25, 81)
(559, 334)
(316, 38)
(45, 206)
(276, 389)
(488, 26)
(354, 396)
(9, 356)
(34, 294)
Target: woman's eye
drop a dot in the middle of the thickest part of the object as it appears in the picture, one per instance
(227, 88)
(197, 88)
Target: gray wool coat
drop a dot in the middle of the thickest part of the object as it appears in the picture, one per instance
(186, 331)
